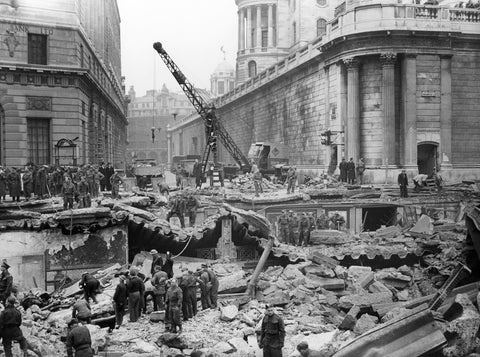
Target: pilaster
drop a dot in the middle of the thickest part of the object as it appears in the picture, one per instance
(258, 30)
(352, 143)
(445, 111)
(249, 28)
(388, 98)
(270, 25)
(409, 110)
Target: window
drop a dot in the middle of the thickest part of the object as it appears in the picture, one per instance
(37, 49)
(38, 141)
(321, 27)
(221, 87)
(322, 2)
(264, 38)
(252, 69)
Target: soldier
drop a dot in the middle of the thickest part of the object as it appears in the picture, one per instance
(109, 171)
(79, 338)
(177, 209)
(82, 311)
(27, 180)
(120, 300)
(98, 177)
(14, 183)
(337, 221)
(322, 221)
(174, 302)
(68, 191)
(303, 227)
(192, 206)
(257, 181)
(360, 171)
(272, 335)
(213, 280)
(203, 281)
(304, 351)
(83, 189)
(291, 179)
(292, 226)
(136, 289)
(57, 181)
(188, 286)
(156, 260)
(343, 170)
(159, 281)
(163, 188)
(90, 286)
(10, 322)
(282, 222)
(168, 266)
(351, 171)
(41, 182)
(311, 227)
(115, 181)
(403, 183)
(103, 180)
(197, 173)
(6, 282)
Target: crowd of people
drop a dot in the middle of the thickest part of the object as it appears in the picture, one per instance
(74, 184)
(350, 172)
(295, 228)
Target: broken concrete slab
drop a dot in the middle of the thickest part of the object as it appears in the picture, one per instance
(424, 225)
(365, 323)
(350, 319)
(228, 313)
(363, 300)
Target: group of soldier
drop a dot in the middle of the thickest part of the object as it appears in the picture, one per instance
(295, 229)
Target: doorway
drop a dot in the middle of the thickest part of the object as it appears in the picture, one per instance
(427, 158)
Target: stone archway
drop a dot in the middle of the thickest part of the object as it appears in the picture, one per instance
(427, 156)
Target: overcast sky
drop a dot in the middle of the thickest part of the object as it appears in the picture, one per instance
(191, 31)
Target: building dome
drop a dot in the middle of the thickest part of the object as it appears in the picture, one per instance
(224, 68)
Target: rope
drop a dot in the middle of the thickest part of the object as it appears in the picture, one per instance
(186, 245)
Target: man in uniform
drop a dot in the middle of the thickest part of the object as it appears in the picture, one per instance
(68, 191)
(82, 311)
(203, 281)
(168, 266)
(90, 286)
(174, 302)
(257, 180)
(79, 339)
(197, 173)
(322, 221)
(343, 170)
(403, 183)
(115, 181)
(291, 179)
(136, 290)
(292, 227)
(272, 335)
(10, 322)
(159, 282)
(164, 189)
(192, 206)
(189, 289)
(27, 180)
(6, 282)
(311, 227)
(303, 227)
(351, 171)
(83, 189)
(156, 260)
(282, 222)
(360, 171)
(177, 209)
(120, 300)
(214, 286)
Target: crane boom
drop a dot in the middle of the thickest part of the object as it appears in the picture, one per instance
(213, 128)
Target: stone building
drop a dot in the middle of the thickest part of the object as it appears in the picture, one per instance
(222, 79)
(61, 90)
(396, 84)
(155, 110)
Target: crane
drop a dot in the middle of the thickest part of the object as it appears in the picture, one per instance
(213, 128)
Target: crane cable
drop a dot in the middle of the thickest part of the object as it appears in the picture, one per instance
(186, 245)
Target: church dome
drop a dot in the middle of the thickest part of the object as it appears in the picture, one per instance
(224, 69)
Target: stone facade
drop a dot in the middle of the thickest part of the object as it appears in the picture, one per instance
(396, 84)
(60, 75)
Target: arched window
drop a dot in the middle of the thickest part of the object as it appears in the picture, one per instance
(321, 27)
(252, 69)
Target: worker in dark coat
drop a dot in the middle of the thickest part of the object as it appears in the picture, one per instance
(177, 205)
(403, 183)
(192, 207)
(10, 322)
(214, 286)
(14, 184)
(27, 180)
(159, 281)
(282, 222)
(3, 183)
(136, 290)
(197, 173)
(203, 281)
(83, 189)
(40, 188)
(189, 290)
(156, 260)
(168, 265)
(174, 302)
(68, 191)
(351, 171)
(82, 311)
(343, 170)
(90, 287)
(115, 181)
(78, 339)
(303, 227)
(272, 335)
(120, 300)
(109, 171)
(6, 282)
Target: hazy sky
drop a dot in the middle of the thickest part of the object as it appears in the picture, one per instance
(191, 31)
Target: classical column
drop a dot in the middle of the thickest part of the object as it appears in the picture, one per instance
(342, 110)
(353, 109)
(242, 29)
(446, 111)
(248, 34)
(388, 98)
(258, 31)
(169, 146)
(270, 25)
(239, 29)
(409, 110)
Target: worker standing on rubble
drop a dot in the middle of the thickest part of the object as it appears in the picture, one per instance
(191, 293)
(159, 281)
(83, 189)
(322, 221)
(303, 226)
(292, 226)
(168, 266)
(10, 322)
(403, 183)
(90, 286)
(6, 282)
(164, 189)
(27, 180)
(156, 260)
(120, 300)
(419, 181)
(197, 173)
(213, 280)
(82, 311)
(282, 222)
(257, 181)
(272, 335)
(79, 339)
(68, 192)
(136, 289)
(203, 281)
(291, 179)
(351, 171)
(342, 166)
(192, 207)
(115, 181)
(174, 302)
(177, 204)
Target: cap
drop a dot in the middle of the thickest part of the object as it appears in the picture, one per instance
(302, 346)
(5, 265)
(72, 322)
(11, 300)
(153, 251)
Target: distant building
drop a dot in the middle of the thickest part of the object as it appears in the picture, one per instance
(154, 110)
(61, 83)
(223, 79)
